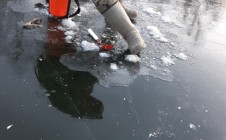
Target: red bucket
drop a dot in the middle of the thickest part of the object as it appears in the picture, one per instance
(59, 8)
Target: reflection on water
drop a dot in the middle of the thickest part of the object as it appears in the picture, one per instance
(68, 90)
(198, 15)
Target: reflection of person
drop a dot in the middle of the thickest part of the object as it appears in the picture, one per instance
(69, 91)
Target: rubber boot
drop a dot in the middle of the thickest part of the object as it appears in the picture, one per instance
(118, 18)
(131, 13)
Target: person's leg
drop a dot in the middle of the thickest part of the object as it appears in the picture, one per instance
(115, 14)
(131, 13)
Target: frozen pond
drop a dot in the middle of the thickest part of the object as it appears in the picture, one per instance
(53, 88)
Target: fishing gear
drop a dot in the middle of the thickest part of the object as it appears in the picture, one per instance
(60, 8)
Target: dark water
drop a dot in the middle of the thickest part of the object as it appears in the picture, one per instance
(42, 99)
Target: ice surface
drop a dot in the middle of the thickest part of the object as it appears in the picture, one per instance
(87, 46)
(108, 73)
(155, 28)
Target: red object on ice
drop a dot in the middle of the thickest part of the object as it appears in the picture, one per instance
(106, 47)
(59, 8)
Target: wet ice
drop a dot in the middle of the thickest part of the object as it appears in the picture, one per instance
(153, 61)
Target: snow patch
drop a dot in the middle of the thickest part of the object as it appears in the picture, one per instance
(154, 134)
(153, 67)
(167, 60)
(69, 39)
(69, 24)
(8, 127)
(181, 56)
(166, 19)
(87, 46)
(69, 33)
(151, 11)
(192, 126)
(42, 11)
(156, 34)
(114, 66)
(132, 58)
(104, 55)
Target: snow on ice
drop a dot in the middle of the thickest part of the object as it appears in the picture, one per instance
(181, 56)
(69, 39)
(8, 127)
(166, 19)
(87, 46)
(167, 60)
(114, 66)
(192, 126)
(156, 34)
(132, 58)
(104, 55)
(69, 33)
(69, 24)
(152, 11)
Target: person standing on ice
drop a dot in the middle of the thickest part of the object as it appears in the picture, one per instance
(119, 16)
